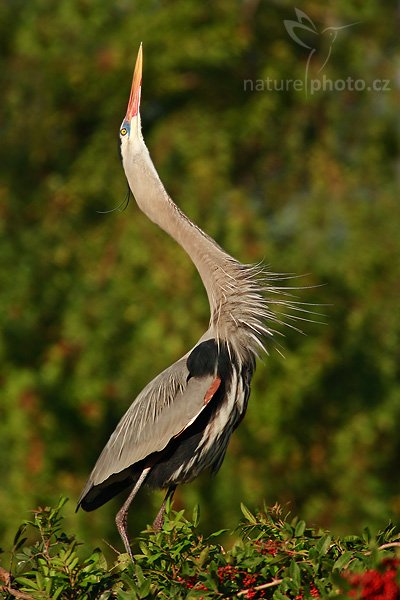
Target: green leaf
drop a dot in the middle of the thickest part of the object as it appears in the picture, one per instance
(247, 514)
(144, 548)
(28, 584)
(343, 561)
(323, 544)
(278, 595)
(217, 533)
(57, 593)
(203, 556)
(196, 515)
(294, 574)
(300, 528)
(144, 589)
(139, 574)
(17, 542)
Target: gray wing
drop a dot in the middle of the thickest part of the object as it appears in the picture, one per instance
(164, 408)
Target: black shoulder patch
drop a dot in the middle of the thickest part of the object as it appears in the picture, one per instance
(203, 359)
(209, 358)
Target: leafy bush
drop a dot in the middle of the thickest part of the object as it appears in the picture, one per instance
(276, 557)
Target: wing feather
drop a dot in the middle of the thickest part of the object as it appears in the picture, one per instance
(164, 408)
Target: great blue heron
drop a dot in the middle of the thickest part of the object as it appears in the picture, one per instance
(180, 424)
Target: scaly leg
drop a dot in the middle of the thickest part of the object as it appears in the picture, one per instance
(122, 514)
(159, 520)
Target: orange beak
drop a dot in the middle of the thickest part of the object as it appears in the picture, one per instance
(134, 98)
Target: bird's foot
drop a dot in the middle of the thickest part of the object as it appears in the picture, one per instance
(121, 522)
(159, 520)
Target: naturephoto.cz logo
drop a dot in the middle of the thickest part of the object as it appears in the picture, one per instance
(320, 43)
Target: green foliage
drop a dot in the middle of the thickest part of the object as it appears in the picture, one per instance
(277, 557)
(50, 566)
(93, 306)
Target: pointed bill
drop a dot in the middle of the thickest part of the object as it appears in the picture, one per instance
(134, 98)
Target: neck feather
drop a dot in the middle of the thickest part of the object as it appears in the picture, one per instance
(235, 291)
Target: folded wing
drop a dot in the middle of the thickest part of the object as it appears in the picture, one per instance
(164, 409)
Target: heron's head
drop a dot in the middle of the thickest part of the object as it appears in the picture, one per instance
(130, 130)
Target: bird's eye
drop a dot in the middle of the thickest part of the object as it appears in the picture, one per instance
(123, 131)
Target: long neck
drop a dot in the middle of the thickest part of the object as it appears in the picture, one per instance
(234, 291)
(209, 259)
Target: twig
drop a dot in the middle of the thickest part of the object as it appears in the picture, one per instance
(389, 545)
(261, 587)
(16, 593)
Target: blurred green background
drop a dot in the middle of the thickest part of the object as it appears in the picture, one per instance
(94, 305)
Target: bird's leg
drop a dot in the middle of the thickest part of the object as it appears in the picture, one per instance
(159, 520)
(122, 514)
